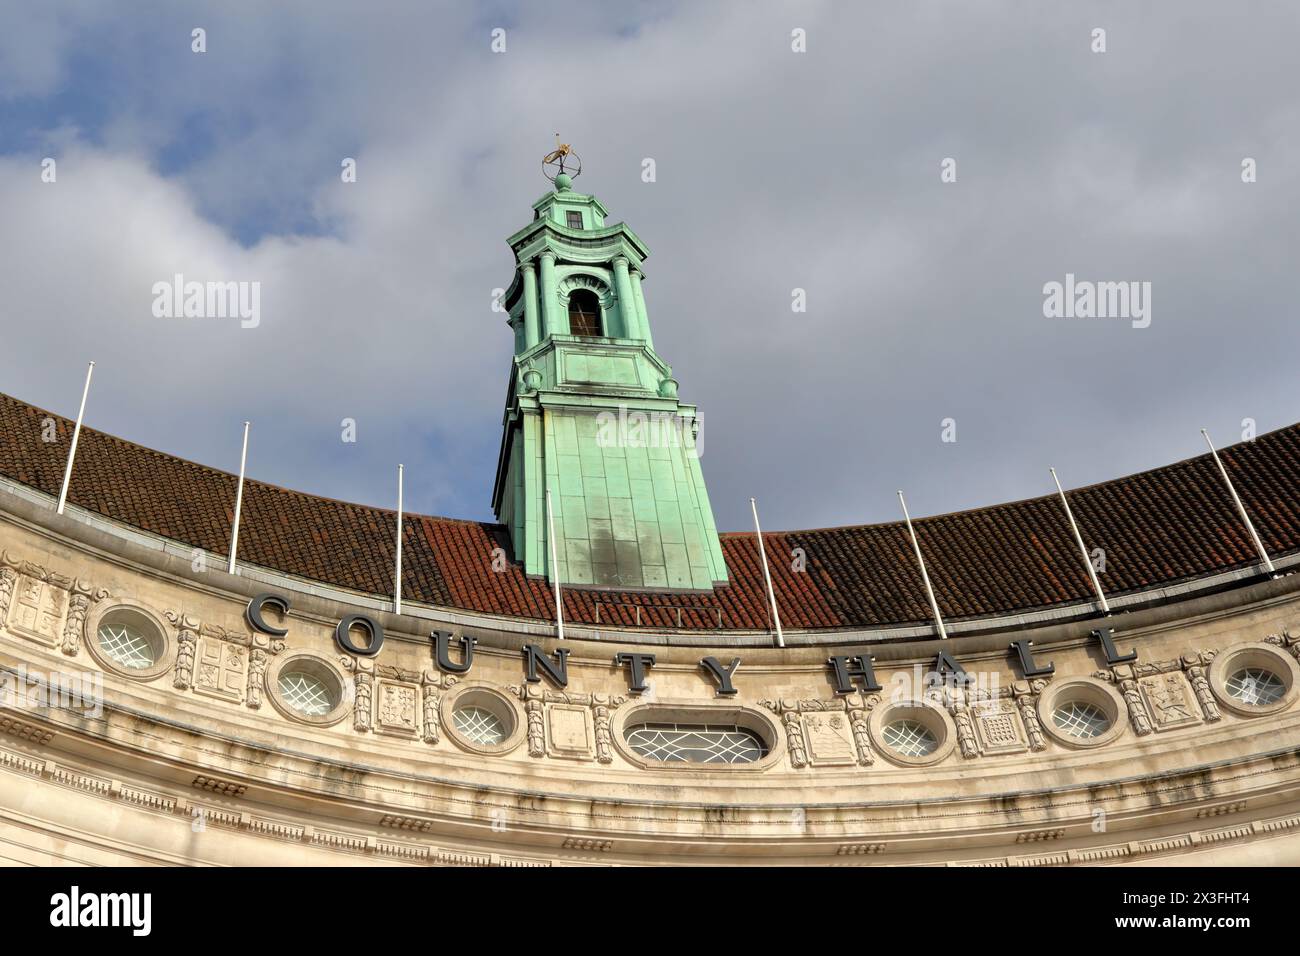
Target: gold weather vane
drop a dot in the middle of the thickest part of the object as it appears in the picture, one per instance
(561, 161)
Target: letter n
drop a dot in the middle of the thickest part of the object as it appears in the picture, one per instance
(558, 671)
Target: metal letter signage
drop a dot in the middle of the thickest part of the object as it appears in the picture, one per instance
(944, 664)
(441, 640)
(342, 634)
(638, 665)
(1028, 667)
(1113, 656)
(722, 674)
(557, 672)
(253, 613)
(845, 668)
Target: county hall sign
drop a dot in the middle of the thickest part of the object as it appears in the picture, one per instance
(844, 670)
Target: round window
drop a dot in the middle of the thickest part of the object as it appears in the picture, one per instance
(482, 720)
(479, 725)
(306, 693)
(128, 644)
(131, 641)
(1255, 685)
(911, 738)
(1255, 679)
(307, 688)
(1080, 719)
(913, 733)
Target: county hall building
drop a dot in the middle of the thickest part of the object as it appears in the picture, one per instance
(1103, 677)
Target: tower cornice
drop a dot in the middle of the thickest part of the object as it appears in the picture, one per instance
(579, 245)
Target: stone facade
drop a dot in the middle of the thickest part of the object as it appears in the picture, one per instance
(183, 761)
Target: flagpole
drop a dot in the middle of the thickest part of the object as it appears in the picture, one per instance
(1083, 550)
(397, 575)
(555, 566)
(925, 575)
(239, 502)
(1241, 509)
(767, 576)
(76, 434)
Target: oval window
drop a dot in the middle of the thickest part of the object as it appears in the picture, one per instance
(696, 743)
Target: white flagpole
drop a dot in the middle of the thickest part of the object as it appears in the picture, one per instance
(925, 575)
(397, 576)
(76, 434)
(1241, 509)
(1083, 551)
(771, 594)
(555, 565)
(239, 502)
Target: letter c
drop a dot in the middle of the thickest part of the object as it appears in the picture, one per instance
(253, 613)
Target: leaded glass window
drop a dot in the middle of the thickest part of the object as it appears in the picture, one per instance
(1255, 685)
(128, 645)
(911, 738)
(305, 693)
(1080, 719)
(479, 726)
(696, 743)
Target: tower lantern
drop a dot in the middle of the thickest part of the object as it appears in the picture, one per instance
(592, 413)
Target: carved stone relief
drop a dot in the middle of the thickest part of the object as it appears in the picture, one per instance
(569, 732)
(38, 603)
(999, 728)
(1177, 693)
(1025, 694)
(220, 669)
(43, 605)
(568, 725)
(217, 662)
(826, 732)
(432, 684)
(1197, 667)
(363, 682)
(1124, 677)
(395, 708)
(1170, 700)
(81, 597)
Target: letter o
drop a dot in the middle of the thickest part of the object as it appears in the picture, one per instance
(343, 635)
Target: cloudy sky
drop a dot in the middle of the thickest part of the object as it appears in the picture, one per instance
(776, 170)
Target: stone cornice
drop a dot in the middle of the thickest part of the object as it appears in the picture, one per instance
(137, 549)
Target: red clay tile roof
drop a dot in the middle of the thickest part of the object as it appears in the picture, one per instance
(1157, 528)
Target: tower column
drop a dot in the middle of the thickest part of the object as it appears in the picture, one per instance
(531, 336)
(550, 307)
(639, 297)
(626, 304)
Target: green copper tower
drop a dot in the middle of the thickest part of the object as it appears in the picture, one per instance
(592, 414)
